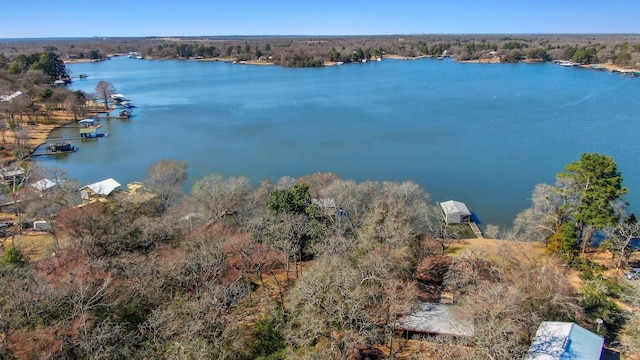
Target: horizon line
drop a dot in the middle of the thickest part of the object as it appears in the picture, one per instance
(307, 35)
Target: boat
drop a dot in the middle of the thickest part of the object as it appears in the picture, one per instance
(63, 146)
(124, 114)
(567, 63)
(118, 98)
(127, 104)
(94, 135)
(87, 122)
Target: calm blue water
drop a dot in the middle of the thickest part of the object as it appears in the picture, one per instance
(477, 133)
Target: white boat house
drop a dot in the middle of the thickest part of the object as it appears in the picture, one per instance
(100, 189)
(455, 212)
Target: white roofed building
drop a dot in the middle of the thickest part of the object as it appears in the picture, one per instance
(455, 212)
(11, 97)
(101, 189)
(45, 184)
(442, 319)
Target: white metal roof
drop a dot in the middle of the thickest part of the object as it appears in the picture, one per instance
(44, 184)
(564, 340)
(324, 203)
(454, 207)
(437, 319)
(12, 173)
(104, 187)
(10, 97)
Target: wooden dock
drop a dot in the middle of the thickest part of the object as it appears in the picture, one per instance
(50, 153)
(476, 230)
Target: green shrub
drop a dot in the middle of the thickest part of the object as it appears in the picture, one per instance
(269, 343)
(14, 257)
(599, 305)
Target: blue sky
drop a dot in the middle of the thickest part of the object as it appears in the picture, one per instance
(72, 18)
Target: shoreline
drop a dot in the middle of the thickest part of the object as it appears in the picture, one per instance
(491, 60)
(38, 135)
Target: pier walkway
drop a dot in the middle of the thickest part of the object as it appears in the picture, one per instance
(476, 230)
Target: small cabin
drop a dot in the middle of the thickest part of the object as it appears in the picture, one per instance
(455, 212)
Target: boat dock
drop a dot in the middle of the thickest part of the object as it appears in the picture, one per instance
(476, 230)
(456, 212)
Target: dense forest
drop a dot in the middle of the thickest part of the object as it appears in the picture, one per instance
(621, 50)
(311, 268)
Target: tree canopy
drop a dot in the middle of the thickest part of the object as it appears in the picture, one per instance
(48, 62)
(594, 185)
(51, 64)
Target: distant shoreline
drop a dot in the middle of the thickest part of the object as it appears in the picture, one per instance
(492, 60)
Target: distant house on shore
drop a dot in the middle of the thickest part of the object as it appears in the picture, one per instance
(455, 212)
(99, 190)
(565, 340)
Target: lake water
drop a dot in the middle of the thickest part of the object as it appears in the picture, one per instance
(477, 133)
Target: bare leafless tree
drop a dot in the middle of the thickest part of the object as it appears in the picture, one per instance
(287, 234)
(104, 90)
(620, 240)
(215, 197)
(166, 178)
(544, 217)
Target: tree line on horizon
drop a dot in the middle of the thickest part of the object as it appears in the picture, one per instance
(302, 51)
